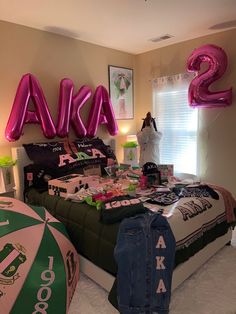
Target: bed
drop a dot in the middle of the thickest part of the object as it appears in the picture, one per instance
(95, 241)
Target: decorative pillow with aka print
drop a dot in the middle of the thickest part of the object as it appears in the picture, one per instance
(68, 156)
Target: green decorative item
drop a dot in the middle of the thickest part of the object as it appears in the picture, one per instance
(7, 161)
(131, 153)
(131, 190)
(131, 187)
(89, 201)
(6, 174)
(130, 145)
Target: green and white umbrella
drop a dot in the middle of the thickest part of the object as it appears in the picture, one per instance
(39, 267)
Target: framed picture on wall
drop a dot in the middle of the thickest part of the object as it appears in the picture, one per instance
(121, 91)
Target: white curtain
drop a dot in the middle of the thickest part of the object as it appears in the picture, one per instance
(177, 121)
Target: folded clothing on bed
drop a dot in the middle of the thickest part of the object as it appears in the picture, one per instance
(121, 207)
(163, 199)
(202, 190)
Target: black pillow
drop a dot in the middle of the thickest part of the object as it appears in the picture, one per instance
(37, 176)
(67, 156)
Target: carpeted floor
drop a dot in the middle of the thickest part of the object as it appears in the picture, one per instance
(211, 290)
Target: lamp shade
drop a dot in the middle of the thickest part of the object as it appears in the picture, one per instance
(131, 138)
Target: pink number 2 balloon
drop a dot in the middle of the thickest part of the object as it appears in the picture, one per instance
(198, 93)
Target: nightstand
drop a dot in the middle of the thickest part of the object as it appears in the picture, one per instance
(8, 194)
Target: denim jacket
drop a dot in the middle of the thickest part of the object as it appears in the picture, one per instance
(145, 253)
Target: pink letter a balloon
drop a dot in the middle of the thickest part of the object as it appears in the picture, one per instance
(29, 88)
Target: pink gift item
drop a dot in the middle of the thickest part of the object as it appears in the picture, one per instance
(70, 184)
(124, 183)
(116, 192)
(143, 182)
(166, 171)
(92, 181)
(104, 183)
(103, 197)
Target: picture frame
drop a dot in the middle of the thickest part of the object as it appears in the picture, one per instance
(121, 91)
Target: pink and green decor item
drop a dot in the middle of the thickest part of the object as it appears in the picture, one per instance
(131, 153)
(6, 174)
(39, 267)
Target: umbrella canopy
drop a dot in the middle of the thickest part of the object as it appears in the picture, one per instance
(39, 266)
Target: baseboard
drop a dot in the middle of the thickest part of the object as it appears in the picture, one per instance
(181, 272)
(100, 276)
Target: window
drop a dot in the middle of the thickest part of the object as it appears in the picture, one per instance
(177, 121)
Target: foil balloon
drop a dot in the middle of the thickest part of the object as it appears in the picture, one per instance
(198, 93)
(101, 113)
(78, 101)
(69, 107)
(64, 107)
(20, 115)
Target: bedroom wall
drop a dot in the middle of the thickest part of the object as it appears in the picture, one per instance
(51, 58)
(217, 142)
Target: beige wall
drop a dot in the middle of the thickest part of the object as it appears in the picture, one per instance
(51, 58)
(217, 126)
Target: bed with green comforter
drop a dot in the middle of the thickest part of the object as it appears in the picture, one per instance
(96, 241)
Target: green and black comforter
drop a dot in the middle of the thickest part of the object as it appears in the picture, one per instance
(195, 222)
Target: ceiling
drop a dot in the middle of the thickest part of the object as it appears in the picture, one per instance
(126, 25)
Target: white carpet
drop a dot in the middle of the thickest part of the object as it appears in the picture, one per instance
(211, 290)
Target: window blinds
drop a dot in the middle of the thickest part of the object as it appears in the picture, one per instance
(179, 125)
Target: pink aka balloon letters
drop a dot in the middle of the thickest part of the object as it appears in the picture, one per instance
(199, 94)
(68, 114)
